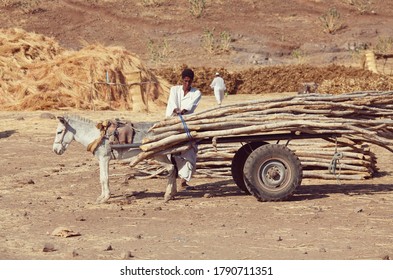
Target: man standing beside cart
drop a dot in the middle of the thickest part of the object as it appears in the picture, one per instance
(183, 99)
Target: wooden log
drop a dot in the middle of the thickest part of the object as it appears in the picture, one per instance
(318, 175)
(154, 138)
(168, 141)
(353, 162)
(340, 165)
(213, 163)
(144, 155)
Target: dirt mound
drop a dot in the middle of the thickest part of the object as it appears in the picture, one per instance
(39, 75)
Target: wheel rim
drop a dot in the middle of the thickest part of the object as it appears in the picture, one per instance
(273, 174)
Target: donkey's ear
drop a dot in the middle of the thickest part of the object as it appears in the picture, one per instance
(61, 119)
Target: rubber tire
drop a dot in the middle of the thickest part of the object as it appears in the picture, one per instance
(277, 156)
(238, 162)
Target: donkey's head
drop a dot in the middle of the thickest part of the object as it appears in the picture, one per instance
(64, 136)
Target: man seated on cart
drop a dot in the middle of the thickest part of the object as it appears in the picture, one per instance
(183, 99)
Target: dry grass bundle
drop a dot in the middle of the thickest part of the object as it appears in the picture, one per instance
(77, 79)
(18, 51)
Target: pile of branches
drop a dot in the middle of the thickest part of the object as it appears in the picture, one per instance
(358, 161)
(360, 117)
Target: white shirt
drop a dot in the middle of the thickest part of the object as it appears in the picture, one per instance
(218, 82)
(177, 99)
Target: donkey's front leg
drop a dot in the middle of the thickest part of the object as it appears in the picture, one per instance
(104, 179)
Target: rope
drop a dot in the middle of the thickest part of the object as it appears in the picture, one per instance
(185, 127)
(336, 161)
(194, 145)
(103, 127)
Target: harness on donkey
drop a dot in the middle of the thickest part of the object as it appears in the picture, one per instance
(116, 131)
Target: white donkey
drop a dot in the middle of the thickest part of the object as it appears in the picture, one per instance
(85, 132)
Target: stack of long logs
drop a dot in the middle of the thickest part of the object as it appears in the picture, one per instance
(316, 156)
(360, 118)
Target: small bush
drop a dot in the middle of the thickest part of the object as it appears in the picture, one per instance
(384, 45)
(214, 46)
(151, 3)
(158, 51)
(197, 7)
(331, 21)
(363, 6)
(225, 41)
(208, 41)
(299, 55)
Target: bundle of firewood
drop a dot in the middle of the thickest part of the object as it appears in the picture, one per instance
(360, 118)
(357, 161)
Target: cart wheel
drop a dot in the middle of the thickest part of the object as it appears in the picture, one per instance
(238, 161)
(272, 172)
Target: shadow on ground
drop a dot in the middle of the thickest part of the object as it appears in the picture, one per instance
(227, 188)
(6, 133)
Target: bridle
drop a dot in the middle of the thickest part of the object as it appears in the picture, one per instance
(62, 136)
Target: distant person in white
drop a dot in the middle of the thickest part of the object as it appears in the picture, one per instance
(183, 100)
(218, 85)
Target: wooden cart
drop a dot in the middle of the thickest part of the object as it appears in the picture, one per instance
(270, 172)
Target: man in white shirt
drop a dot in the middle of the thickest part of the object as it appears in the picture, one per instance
(219, 88)
(183, 100)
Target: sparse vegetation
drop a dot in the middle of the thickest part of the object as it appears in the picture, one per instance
(331, 21)
(197, 7)
(208, 41)
(25, 5)
(384, 45)
(363, 6)
(225, 41)
(151, 3)
(212, 45)
(299, 55)
(159, 51)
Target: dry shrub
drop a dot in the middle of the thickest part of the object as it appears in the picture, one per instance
(39, 75)
(331, 21)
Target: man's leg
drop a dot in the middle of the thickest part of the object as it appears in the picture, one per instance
(217, 95)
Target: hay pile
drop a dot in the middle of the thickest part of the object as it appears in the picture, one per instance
(38, 74)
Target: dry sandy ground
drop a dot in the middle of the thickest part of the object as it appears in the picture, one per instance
(40, 191)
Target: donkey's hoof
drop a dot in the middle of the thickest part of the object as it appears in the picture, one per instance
(167, 198)
(101, 200)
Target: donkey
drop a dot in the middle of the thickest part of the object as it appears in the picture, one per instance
(85, 132)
